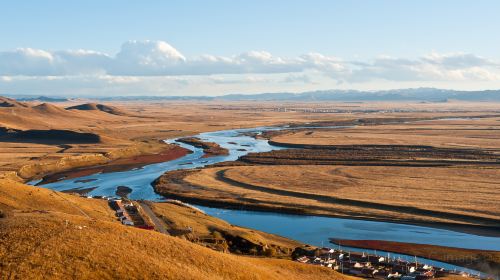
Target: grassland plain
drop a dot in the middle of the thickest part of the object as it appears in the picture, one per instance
(481, 133)
(374, 192)
(390, 177)
(39, 226)
(123, 126)
(124, 130)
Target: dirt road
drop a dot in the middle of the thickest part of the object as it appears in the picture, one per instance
(159, 224)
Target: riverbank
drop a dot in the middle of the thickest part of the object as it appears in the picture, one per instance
(481, 260)
(285, 189)
(189, 223)
(209, 148)
(41, 149)
(167, 153)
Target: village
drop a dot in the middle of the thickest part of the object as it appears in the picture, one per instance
(374, 266)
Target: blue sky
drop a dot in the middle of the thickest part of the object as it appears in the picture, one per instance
(363, 44)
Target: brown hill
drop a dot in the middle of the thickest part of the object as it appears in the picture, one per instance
(9, 103)
(50, 109)
(49, 116)
(51, 235)
(98, 107)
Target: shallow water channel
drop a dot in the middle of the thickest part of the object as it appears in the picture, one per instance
(308, 229)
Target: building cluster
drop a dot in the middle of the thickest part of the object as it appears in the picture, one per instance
(121, 208)
(370, 266)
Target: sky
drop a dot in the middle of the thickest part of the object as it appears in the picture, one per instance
(109, 48)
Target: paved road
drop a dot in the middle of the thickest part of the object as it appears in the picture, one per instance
(159, 224)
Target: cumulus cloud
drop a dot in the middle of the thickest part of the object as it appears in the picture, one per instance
(138, 60)
(33, 62)
(154, 58)
(457, 60)
(433, 67)
(146, 58)
(26, 61)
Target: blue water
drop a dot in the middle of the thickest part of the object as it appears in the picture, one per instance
(317, 230)
(139, 180)
(308, 229)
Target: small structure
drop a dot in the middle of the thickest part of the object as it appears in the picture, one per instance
(127, 222)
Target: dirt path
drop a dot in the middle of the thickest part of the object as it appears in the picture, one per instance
(159, 224)
(72, 204)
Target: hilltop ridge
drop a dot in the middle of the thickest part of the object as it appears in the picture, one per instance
(98, 107)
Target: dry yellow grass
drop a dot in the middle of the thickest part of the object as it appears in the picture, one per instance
(457, 190)
(161, 120)
(33, 165)
(46, 234)
(49, 235)
(203, 225)
(146, 121)
(45, 246)
(465, 195)
(476, 133)
(16, 198)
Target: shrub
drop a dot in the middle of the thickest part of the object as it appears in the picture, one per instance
(270, 252)
(217, 235)
(253, 251)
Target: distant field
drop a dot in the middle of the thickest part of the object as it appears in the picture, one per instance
(477, 189)
(126, 124)
(136, 122)
(477, 133)
(463, 195)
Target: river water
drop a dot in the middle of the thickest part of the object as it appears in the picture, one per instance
(308, 229)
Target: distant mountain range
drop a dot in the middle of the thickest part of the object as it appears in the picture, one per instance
(417, 94)
(42, 99)
(412, 94)
(420, 94)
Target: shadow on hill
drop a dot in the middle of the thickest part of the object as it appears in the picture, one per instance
(11, 103)
(99, 107)
(51, 137)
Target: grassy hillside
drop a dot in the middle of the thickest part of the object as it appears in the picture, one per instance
(50, 235)
(206, 229)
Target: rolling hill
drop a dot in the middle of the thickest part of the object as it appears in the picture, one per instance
(47, 234)
(99, 107)
(10, 103)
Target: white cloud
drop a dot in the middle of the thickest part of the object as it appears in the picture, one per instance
(457, 60)
(153, 67)
(298, 78)
(5, 78)
(146, 58)
(155, 58)
(432, 67)
(26, 61)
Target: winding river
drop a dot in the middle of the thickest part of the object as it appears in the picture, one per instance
(308, 229)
